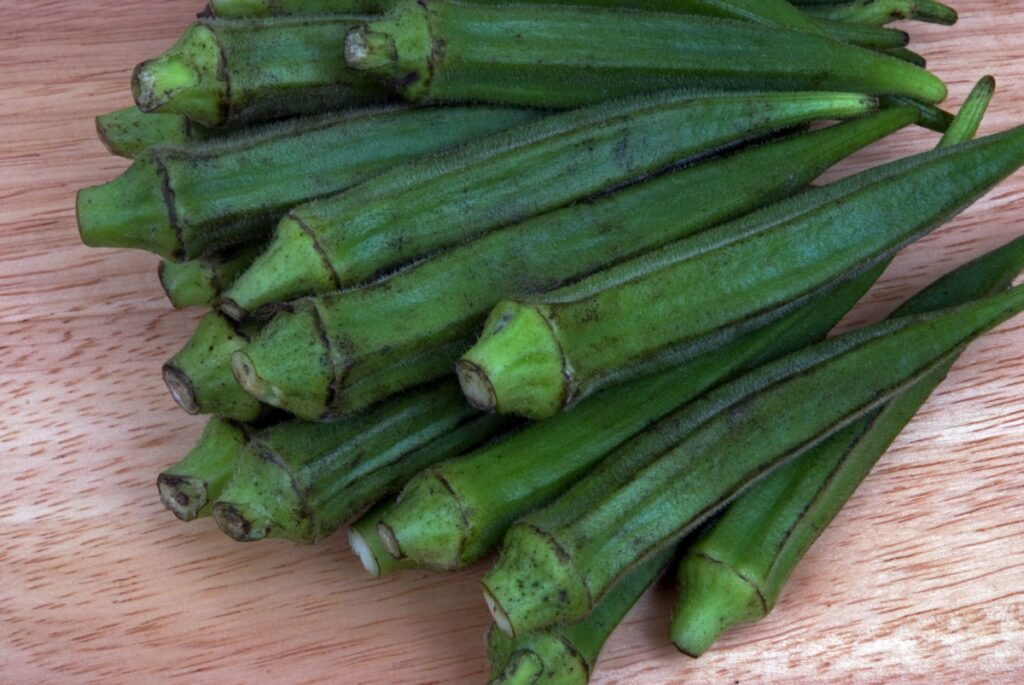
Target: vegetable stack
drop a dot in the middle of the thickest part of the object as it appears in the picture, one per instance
(550, 278)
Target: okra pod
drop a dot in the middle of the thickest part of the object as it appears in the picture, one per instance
(536, 356)
(222, 73)
(864, 36)
(129, 131)
(906, 55)
(182, 202)
(968, 120)
(559, 561)
(190, 487)
(736, 569)
(928, 116)
(302, 481)
(365, 544)
(199, 375)
(443, 300)
(879, 12)
(454, 513)
(565, 655)
(554, 56)
(199, 282)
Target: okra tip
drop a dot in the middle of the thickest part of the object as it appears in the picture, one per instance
(517, 365)
(243, 521)
(712, 597)
(427, 525)
(183, 495)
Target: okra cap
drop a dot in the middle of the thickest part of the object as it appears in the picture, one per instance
(398, 47)
(427, 524)
(189, 487)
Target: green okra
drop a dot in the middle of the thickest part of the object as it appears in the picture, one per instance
(736, 569)
(864, 36)
(537, 355)
(554, 56)
(454, 513)
(182, 202)
(225, 73)
(968, 119)
(301, 481)
(878, 12)
(199, 282)
(565, 655)
(558, 562)
(442, 301)
(906, 55)
(928, 116)
(190, 487)
(199, 375)
(365, 544)
(129, 131)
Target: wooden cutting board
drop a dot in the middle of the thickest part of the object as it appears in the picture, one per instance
(921, 579)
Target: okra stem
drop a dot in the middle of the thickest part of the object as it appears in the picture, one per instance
(129, 131)
(199, 282)
(968, 119)
(558, 562)
(454, 513)
(365, 544)
(301, 481)
(223, 73)
(182, 202)
(537, 356)
(736, 569)
(199, 376)
(547, 55)
(190, 487)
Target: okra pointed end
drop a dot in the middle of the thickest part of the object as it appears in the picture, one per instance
(517, 366)
(291, 266)
(288, 365)
(534, 584)
(712, 597)
(427, 525)
(187, 79)
(244, 522)
(131, 211)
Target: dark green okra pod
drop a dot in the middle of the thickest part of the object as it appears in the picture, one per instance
(223, 73)
(879, 12)
(199, 282)
(129, 131)
(554, 56)
(735, 570)
(536, 356)
(454, 513)
(565, 655)
(182, 202)
(365, 544)
(302, 481)
(558, 562)
(443, 300)
(190, 487)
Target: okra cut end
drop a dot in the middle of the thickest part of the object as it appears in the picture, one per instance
(517, 366)
(398, 47)
(523, 668)
(361, 548)
(712, 598)
(427, 525)
(180, 387)
(183, 496)
(243, 522)
(189, 487)
(187, 79)
(534, 584)
(291, 266)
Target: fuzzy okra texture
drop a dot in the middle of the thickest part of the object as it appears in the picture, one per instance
(539, 355)
(559, 561)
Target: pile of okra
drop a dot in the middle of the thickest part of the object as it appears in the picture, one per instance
(550, 279)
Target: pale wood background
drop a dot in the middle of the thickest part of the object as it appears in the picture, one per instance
(920, 580)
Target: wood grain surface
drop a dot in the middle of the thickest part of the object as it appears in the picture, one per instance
(920, 580)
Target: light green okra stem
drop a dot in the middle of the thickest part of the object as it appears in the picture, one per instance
(536, 356)
(454, 513)
(223, 72)
(199, 282)
(301, 481)
(366, 544)
(559, 561)
(547, 55)
(566, 654)
(968, 119)
(129, 131)
(444, 299)
(182, 202)
(190, 487)
(199, 375)
(735, 570)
